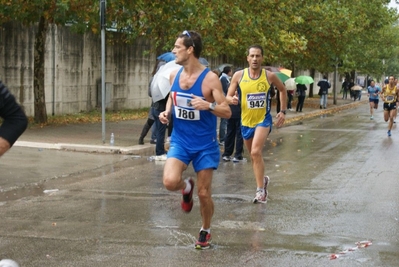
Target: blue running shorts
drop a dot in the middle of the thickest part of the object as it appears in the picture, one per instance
(203, 159)
(375, 101)
(248, 132)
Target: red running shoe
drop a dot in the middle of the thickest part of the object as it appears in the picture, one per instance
(204, 240)
(187, 202)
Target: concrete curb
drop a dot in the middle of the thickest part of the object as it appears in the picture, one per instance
(299, 117)
(148, 149)
(143, 150)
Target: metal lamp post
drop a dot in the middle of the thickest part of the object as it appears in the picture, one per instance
(102, 22)
(335, 81)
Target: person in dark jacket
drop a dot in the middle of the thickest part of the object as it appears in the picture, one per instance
(225, 80)
(233, 136)
(324, 85)
(345, 89)
(15, 121)
(301, 93)
(351, 84)
(150, 120)
(159, 107)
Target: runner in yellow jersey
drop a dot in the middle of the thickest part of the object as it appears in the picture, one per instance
(389, 95)
(250, 88)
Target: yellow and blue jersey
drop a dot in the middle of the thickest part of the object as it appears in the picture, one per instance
(390, 94)
(254, 97)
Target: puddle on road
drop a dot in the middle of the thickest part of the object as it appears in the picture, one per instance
(19, 193)
(242, 225)
(231, 198)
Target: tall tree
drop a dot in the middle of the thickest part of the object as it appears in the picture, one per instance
(227, 30)
(310, 34)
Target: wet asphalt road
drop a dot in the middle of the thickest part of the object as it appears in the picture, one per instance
(334, 181)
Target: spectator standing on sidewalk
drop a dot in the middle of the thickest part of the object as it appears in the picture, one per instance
(196, 98)
(234, 136)
(351, 84)
(150, 120)
(345, 89)
(301, 93)
(158, 107)
(225, 80)
(15, 121)
(290, 97)
(278, 102)
(324, 85)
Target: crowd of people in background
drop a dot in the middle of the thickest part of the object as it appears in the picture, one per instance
(229, 131)
(230, 138)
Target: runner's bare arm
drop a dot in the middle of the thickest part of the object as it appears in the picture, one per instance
(222, 108)
(383, 93)
(213, 93)
(231, 96)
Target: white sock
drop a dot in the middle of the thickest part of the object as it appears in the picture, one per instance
(188, 187)
(206, 230)
(260, 189)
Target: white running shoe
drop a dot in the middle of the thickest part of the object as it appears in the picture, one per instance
(260, 197)
(237, 159)
(161, 157)
(226, 158)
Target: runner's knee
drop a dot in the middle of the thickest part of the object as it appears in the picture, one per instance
(204, 193)
(170, 181)
(4, 146)
(256, 153)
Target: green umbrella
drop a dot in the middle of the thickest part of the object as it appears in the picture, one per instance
(304, 79)
(283, 77)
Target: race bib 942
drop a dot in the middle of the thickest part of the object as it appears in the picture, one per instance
(256, 100)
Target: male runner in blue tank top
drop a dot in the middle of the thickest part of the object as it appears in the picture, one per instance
(196, 98)
(253, 85)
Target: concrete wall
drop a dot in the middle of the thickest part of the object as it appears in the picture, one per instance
(73, 69)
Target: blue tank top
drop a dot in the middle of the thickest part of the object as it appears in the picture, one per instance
(193, 129)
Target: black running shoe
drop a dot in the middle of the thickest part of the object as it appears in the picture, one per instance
(204, 240)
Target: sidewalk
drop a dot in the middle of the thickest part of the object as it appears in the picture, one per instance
(88, 137)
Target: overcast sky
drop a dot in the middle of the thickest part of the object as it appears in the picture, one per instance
(393, 4)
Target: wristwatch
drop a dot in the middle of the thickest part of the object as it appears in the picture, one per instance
(284, 112)
(212, 106)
